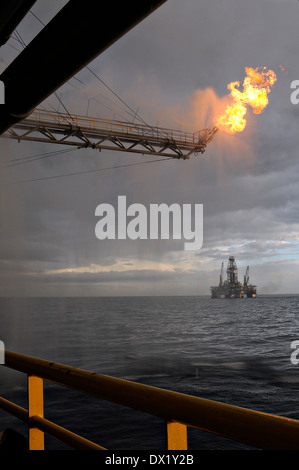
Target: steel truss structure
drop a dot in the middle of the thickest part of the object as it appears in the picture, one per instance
(97, 133)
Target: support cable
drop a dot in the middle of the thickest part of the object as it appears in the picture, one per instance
(89, 171)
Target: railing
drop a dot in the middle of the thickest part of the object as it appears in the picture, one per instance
(179, 410)
(103, 134)
(114, 126)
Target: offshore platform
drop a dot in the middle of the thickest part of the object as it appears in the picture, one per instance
(232, 288)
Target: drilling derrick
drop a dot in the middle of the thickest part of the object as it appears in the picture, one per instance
(232, 287)
(232, 271)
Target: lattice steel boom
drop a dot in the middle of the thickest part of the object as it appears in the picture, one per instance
(97, 133)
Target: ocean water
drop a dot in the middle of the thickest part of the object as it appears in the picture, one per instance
(237, 351)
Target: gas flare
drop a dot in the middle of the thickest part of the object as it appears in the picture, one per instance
(256, 87)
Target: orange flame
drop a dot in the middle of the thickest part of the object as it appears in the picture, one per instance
(256, 86)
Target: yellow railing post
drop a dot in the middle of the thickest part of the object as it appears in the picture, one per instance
(176, 436)
(35, 408)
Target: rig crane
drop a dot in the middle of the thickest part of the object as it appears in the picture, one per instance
(246, 276)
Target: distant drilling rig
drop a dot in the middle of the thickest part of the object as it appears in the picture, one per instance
(231, 288)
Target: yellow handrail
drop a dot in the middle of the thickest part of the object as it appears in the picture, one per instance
(179, 410)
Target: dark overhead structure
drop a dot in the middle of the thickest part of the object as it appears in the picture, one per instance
(74, 37)
(11, 14)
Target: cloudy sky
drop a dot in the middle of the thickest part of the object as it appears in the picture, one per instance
(173, 68)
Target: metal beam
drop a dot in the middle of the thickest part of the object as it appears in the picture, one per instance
(11, 14)
(104, 134)
(74, 37)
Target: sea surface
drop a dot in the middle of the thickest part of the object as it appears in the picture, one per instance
(237, 351)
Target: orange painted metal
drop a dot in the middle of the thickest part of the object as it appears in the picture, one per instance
(35, 408)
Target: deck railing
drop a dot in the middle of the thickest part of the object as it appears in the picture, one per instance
(113, 126)
(260, 430)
